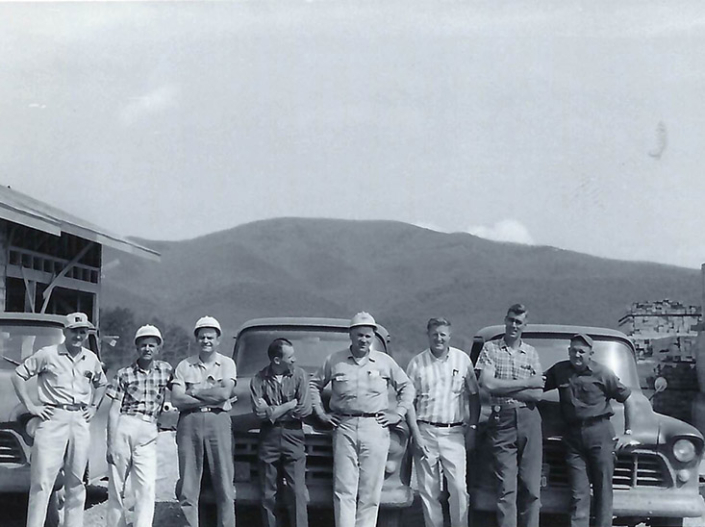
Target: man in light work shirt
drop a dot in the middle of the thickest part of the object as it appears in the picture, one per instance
(281, 400)
(360, 413)
(446, 408)
(137, 397)
(201, 390)
(70, 386)
(585, 388)
(511, 372)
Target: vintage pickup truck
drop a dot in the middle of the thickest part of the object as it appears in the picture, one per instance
(21, 334)
(655, 482)
(314, 339)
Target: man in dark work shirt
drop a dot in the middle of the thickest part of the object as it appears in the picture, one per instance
(585, 388)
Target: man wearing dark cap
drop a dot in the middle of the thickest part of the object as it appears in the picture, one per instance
(359, 411)
(70, 386)
(585, 388)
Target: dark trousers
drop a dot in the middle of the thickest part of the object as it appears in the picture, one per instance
(516, 439)
(590, 459)
(285, 447)
(205, 438)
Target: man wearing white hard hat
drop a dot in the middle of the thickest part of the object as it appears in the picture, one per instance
(137, 397)
(70, 386)
(359, 411)
(201, 389)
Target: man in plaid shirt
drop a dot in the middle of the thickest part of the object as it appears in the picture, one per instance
(137, 394)
(511, 373)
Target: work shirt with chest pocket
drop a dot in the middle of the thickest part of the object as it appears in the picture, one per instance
(194, 373)
(361, 385)
(61, 378)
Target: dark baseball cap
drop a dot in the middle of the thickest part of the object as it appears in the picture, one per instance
(582, 336)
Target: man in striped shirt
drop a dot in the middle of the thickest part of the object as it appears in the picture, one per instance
(445, 412)
(511, 372)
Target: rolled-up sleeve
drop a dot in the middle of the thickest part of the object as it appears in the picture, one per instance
(403, 386)
(615, 389)
(303, 396)
(116, 388)
(318, 382)
(33, 365)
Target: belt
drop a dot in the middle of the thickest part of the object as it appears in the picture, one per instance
(70, 407)
(362, 414)
(202, 409)
(442, 425)
(142, 417)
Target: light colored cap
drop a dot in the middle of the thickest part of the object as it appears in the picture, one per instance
(149, 331)
(78, 320)
(363, 319)
(207, 322)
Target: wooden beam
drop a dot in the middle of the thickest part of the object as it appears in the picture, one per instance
(47, 292)
(30, 289)
(42, 277)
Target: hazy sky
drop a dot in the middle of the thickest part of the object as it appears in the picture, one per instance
(574, 124)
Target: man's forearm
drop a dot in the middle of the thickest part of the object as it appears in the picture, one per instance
(528, 395)
(506, 386)
(98, 395)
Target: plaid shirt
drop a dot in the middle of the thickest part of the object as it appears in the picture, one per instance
(264, 387)
(142, 391)
(509, 364)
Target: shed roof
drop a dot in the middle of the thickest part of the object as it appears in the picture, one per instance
(20, 208)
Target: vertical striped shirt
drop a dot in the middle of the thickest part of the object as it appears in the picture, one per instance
(509, 364)
(443, 386)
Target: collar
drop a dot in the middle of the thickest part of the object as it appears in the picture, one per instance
(195, 360)
(503, 344)
(63, 350)
(367, 356)
(589, 367)
(156, 365)
(269, 373)
(444, 358)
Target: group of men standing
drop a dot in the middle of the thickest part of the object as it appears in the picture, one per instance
(438, 395)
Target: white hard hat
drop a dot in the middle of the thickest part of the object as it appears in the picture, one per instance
(148, 331)
(207, 322)
(362, 319)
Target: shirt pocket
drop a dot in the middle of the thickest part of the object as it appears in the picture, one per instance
(457, 383)
(341, 384)
(378, 381)
(590, 392)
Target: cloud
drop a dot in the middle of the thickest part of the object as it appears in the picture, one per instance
(508, 230)
(156, 101)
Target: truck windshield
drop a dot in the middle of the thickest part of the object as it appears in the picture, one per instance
(612, 353)
(312, 346)
(17, 342)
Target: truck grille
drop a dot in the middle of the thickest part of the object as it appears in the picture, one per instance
(639, 469)
(10, 449)
(319, 458)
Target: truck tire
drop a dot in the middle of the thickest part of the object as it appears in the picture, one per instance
(666, 522)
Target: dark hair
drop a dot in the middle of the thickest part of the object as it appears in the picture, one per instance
(517, 309)
(276, 348)
(436, 322)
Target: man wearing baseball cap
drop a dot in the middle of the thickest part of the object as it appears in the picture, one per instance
(360, 414)
(585, 388)
(137, 397)
(201, 389)
(70, 386)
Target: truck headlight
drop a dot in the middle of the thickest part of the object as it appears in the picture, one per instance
(30, 426)
(684, 450)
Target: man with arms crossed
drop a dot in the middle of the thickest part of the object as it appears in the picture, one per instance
(446, 409)
(511, 372)
(281, 399)
(70, 386)
(585, 388)
(201, 390)
(137, 397)
(360, 413)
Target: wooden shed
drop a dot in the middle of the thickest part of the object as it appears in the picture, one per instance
(50, 261)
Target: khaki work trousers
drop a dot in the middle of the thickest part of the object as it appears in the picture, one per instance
(61, 441)
(135, 457)
(447, 458)
(360, 448)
